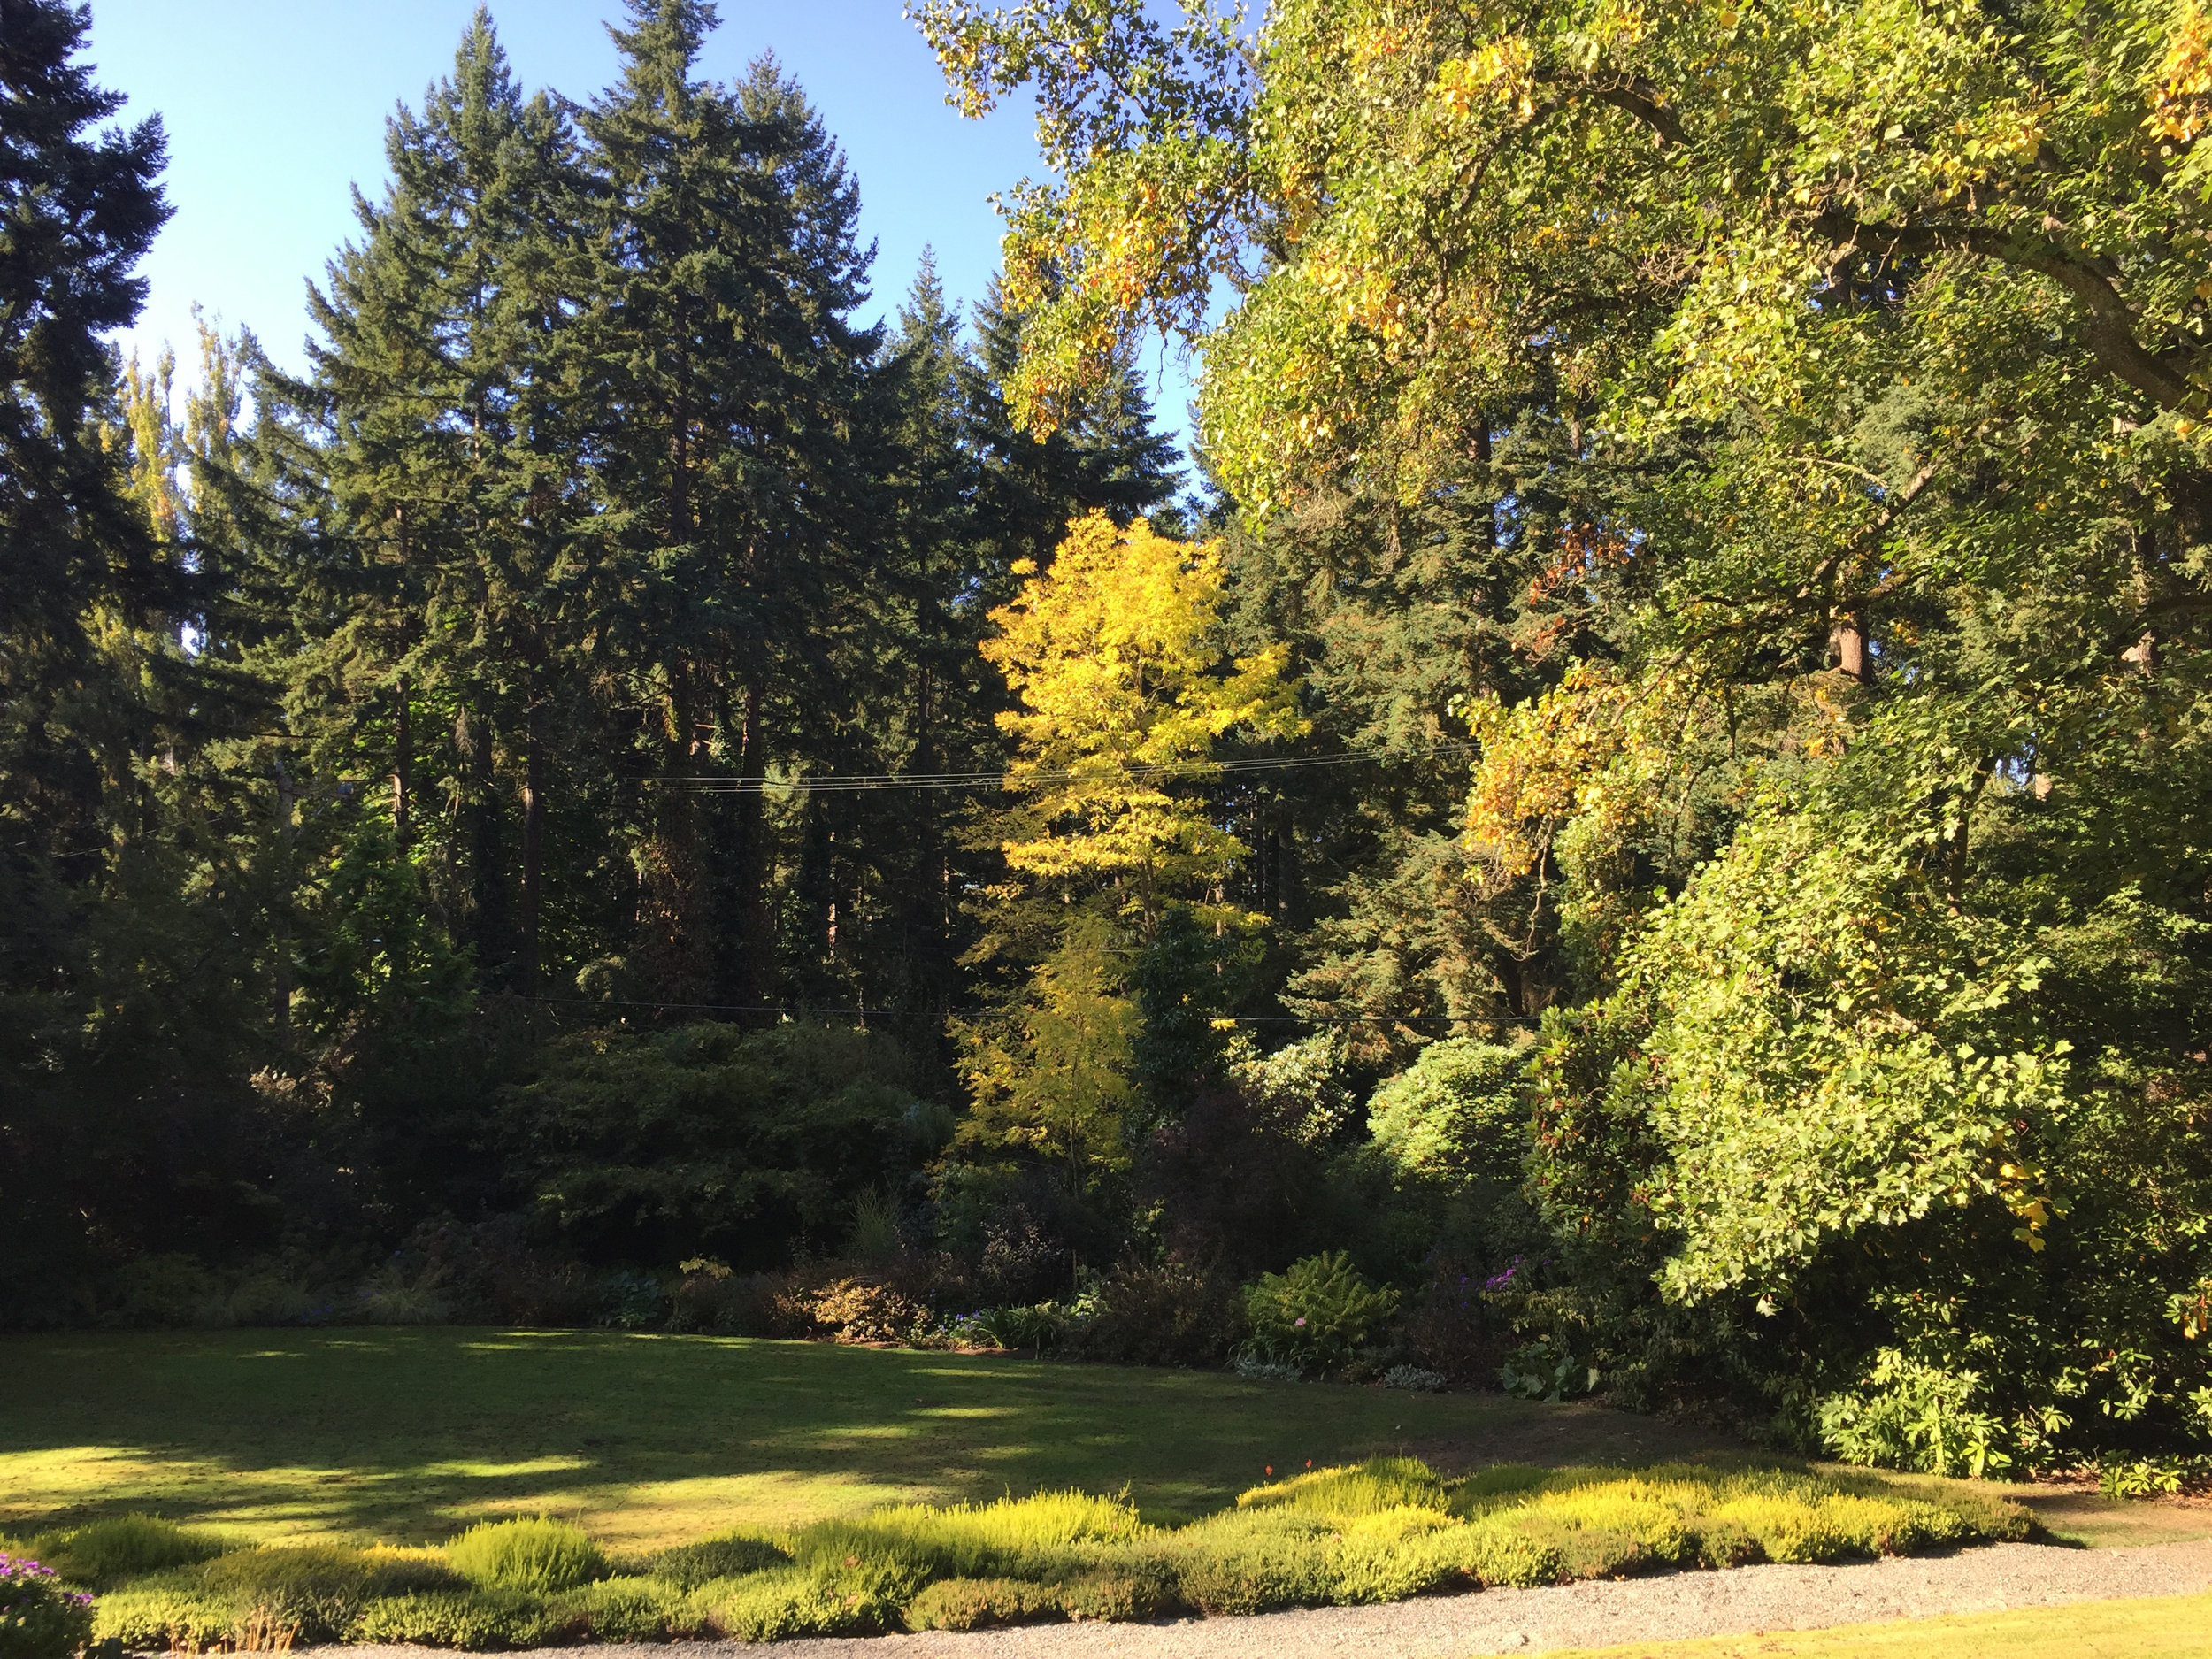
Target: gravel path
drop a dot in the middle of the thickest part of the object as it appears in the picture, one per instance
(1742, 1601)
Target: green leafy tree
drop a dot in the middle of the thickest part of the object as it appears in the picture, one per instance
(1881, 648)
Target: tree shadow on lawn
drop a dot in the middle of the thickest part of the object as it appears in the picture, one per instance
(408, 1434)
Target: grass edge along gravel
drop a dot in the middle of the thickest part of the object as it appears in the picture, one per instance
(1382, 1531)
(2153, 1627)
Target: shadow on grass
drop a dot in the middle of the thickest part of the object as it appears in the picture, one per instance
(410, 1433)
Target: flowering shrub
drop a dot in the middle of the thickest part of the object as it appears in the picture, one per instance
(38, 1619)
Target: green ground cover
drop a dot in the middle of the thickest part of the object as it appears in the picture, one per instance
(700, 1484)
(1377, 1531)
(2154, 1627)
(407, 1435)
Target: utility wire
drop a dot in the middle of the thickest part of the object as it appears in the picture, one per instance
(976, 1013)
(853, 783)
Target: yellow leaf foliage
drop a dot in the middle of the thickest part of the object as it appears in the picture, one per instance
(2181, 94)
(1124, 682)
(1592, 749)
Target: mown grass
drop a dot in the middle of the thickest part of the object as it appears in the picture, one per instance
(408, 1435)
(1380, 1532)
(2156, 1627)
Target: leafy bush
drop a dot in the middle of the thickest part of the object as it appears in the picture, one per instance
(1544, 1372)
(1320, 1312)
(1173, 1314)
(857, 1310)
(101, 1554)
(39, 1618)
(632, 1300)
(1906, 1414)
(724, 1555)
(536, 1554)
(1305, 1087)
(1456, 1115)
(487, 1272)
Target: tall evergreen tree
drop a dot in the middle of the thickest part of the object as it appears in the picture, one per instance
(719, 355)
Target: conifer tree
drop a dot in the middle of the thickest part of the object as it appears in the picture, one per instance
(716, 351)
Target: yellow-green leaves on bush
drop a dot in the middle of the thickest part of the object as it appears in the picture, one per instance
(101, 1554)
(793, 1601)
(309, 1593)
(1455, 1115)
(1379, 1484)
(539, 1555)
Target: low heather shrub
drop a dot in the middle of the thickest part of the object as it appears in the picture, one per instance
(39, 1617)
(315, 1591)
(724, 1555)
(632, 1610)
(164, 1616)
(795, 1601)
(476, 1620)
(982, 1604)
(1042, 1537)
(101, 1554)
(537, 1555)
(1374, 1488)
(1375, 1531)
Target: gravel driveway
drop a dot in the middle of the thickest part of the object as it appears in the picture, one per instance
(1747, 1599)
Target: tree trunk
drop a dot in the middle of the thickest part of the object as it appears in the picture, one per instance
(1849, 640)
(402, 766)
(753, 948)
(526, 959)
(286, 834)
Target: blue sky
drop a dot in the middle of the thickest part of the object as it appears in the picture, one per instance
(275, 108)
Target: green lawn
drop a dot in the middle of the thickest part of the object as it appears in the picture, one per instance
(406, 1435)
(2157, 1627)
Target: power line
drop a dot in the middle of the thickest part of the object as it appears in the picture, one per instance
(790, 1009)
(854, 783)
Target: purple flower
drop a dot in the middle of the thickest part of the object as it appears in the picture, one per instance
(1298, 1322)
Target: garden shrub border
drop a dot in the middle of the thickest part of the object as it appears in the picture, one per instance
(1382, 1531)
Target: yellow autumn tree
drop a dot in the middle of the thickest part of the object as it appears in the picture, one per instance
(1051, 1076)
(1124, 679)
